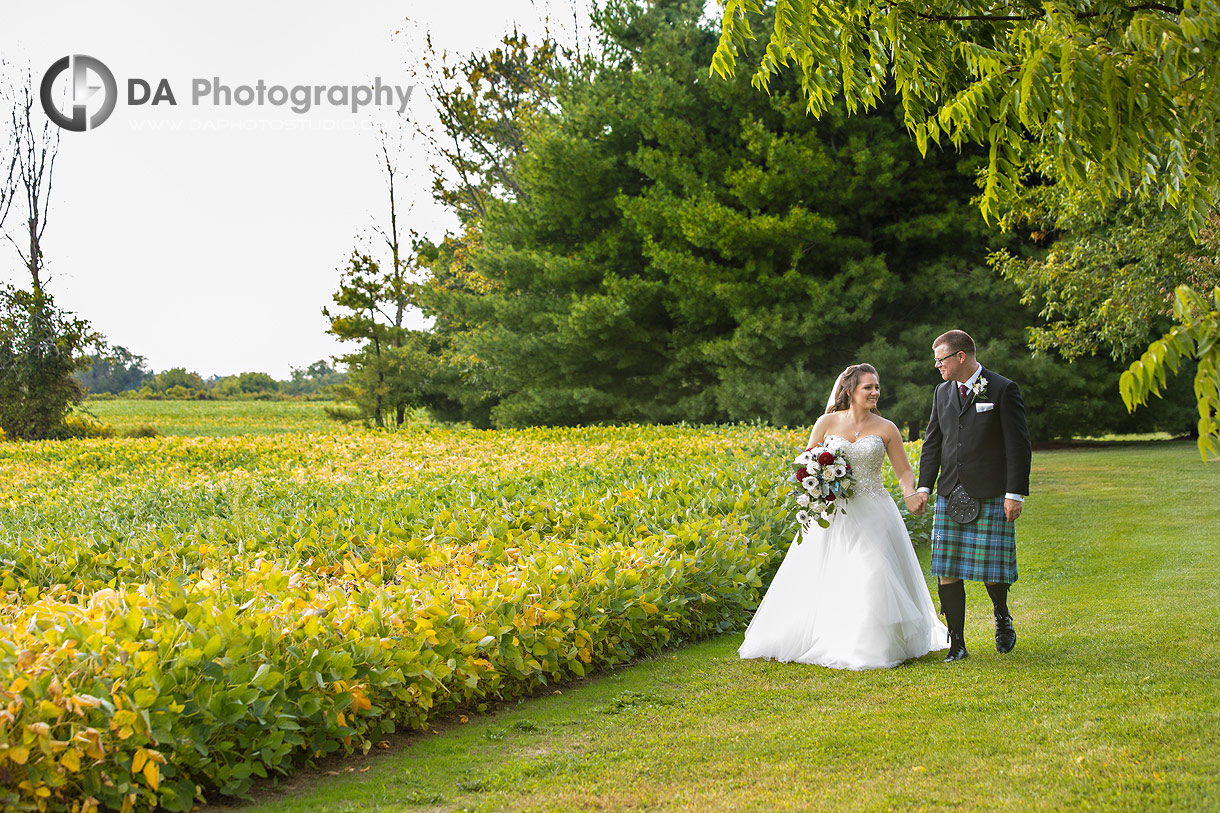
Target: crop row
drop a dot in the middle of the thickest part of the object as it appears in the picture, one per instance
(179, 617)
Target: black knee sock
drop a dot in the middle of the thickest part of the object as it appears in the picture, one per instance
(953, 605)
(999, 598)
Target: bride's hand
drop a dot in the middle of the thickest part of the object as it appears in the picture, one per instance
(917, 503)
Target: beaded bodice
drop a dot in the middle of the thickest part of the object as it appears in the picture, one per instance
(867, 456)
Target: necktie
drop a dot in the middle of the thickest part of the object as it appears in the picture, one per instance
(961, 390)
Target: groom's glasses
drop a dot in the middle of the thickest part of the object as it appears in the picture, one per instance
(941, 360)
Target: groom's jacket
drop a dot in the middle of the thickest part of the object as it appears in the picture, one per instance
(982, 443)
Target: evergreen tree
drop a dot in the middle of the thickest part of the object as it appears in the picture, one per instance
(679, 248)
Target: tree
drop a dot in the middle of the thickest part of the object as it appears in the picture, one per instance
(687, 250)
(8, 173)
(489, 106)
(39, 353)
(175, 383)
(1196, 335)
(1118, 98)
(114, 370)
(312, 380)
(41, 347)
(245, 384)
(390, 371)
(35, 151)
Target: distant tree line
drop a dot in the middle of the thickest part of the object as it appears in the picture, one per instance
(118, 371)
(640, 243)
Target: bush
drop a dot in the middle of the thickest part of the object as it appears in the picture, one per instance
(41, 347)
(85, 426)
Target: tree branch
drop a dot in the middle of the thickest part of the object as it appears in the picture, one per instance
(1016, 18)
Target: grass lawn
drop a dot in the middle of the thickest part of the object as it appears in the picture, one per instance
(1111, 699)
(215, 418)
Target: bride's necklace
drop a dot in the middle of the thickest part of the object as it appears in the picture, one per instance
(855, 434)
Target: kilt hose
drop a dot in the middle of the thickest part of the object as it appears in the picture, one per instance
(984, 550)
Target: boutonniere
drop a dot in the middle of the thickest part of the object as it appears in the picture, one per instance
(980, 387)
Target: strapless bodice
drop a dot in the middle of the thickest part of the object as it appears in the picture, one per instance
(867, 456)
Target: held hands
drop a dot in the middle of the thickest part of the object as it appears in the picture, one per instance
(917, 503)
(1012, 509)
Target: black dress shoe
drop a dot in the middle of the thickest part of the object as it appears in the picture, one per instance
(957, 649)
(1005, 635)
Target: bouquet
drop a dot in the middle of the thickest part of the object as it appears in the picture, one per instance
(823, 482)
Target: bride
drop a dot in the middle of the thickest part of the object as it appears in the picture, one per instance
(852, 596)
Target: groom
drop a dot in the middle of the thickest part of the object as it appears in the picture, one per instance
(976, 439)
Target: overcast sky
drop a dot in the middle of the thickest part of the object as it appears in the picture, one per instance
(208, 236)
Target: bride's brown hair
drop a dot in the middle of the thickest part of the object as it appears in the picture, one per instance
(846, 384)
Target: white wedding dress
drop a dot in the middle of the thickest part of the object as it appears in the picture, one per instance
(851, 596)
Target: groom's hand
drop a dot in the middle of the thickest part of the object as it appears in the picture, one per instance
(1012, 509)
(917, 503)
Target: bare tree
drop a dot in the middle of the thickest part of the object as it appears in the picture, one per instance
(8, 168)
(400, 282)
(41, 347)
(399, 296)
(34, 151)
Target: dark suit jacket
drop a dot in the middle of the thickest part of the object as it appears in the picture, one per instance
(986, 451)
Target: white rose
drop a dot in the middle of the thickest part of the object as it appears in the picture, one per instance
(803, 500)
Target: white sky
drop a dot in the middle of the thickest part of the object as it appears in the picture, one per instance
(210, 237)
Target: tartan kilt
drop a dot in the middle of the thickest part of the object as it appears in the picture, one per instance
(984, 550)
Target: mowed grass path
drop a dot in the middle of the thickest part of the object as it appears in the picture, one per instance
(1110, 701)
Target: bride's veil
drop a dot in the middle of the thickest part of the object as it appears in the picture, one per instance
(830, 402)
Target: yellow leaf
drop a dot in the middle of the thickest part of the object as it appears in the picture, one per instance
(152, 774)
(19, 754)
(92, 740)
(137, 762)
(71, 760)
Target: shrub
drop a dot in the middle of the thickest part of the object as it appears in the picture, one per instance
(85, 426)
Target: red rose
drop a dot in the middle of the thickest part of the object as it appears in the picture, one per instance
(801, 474)
(830, 497)
(826, 458)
